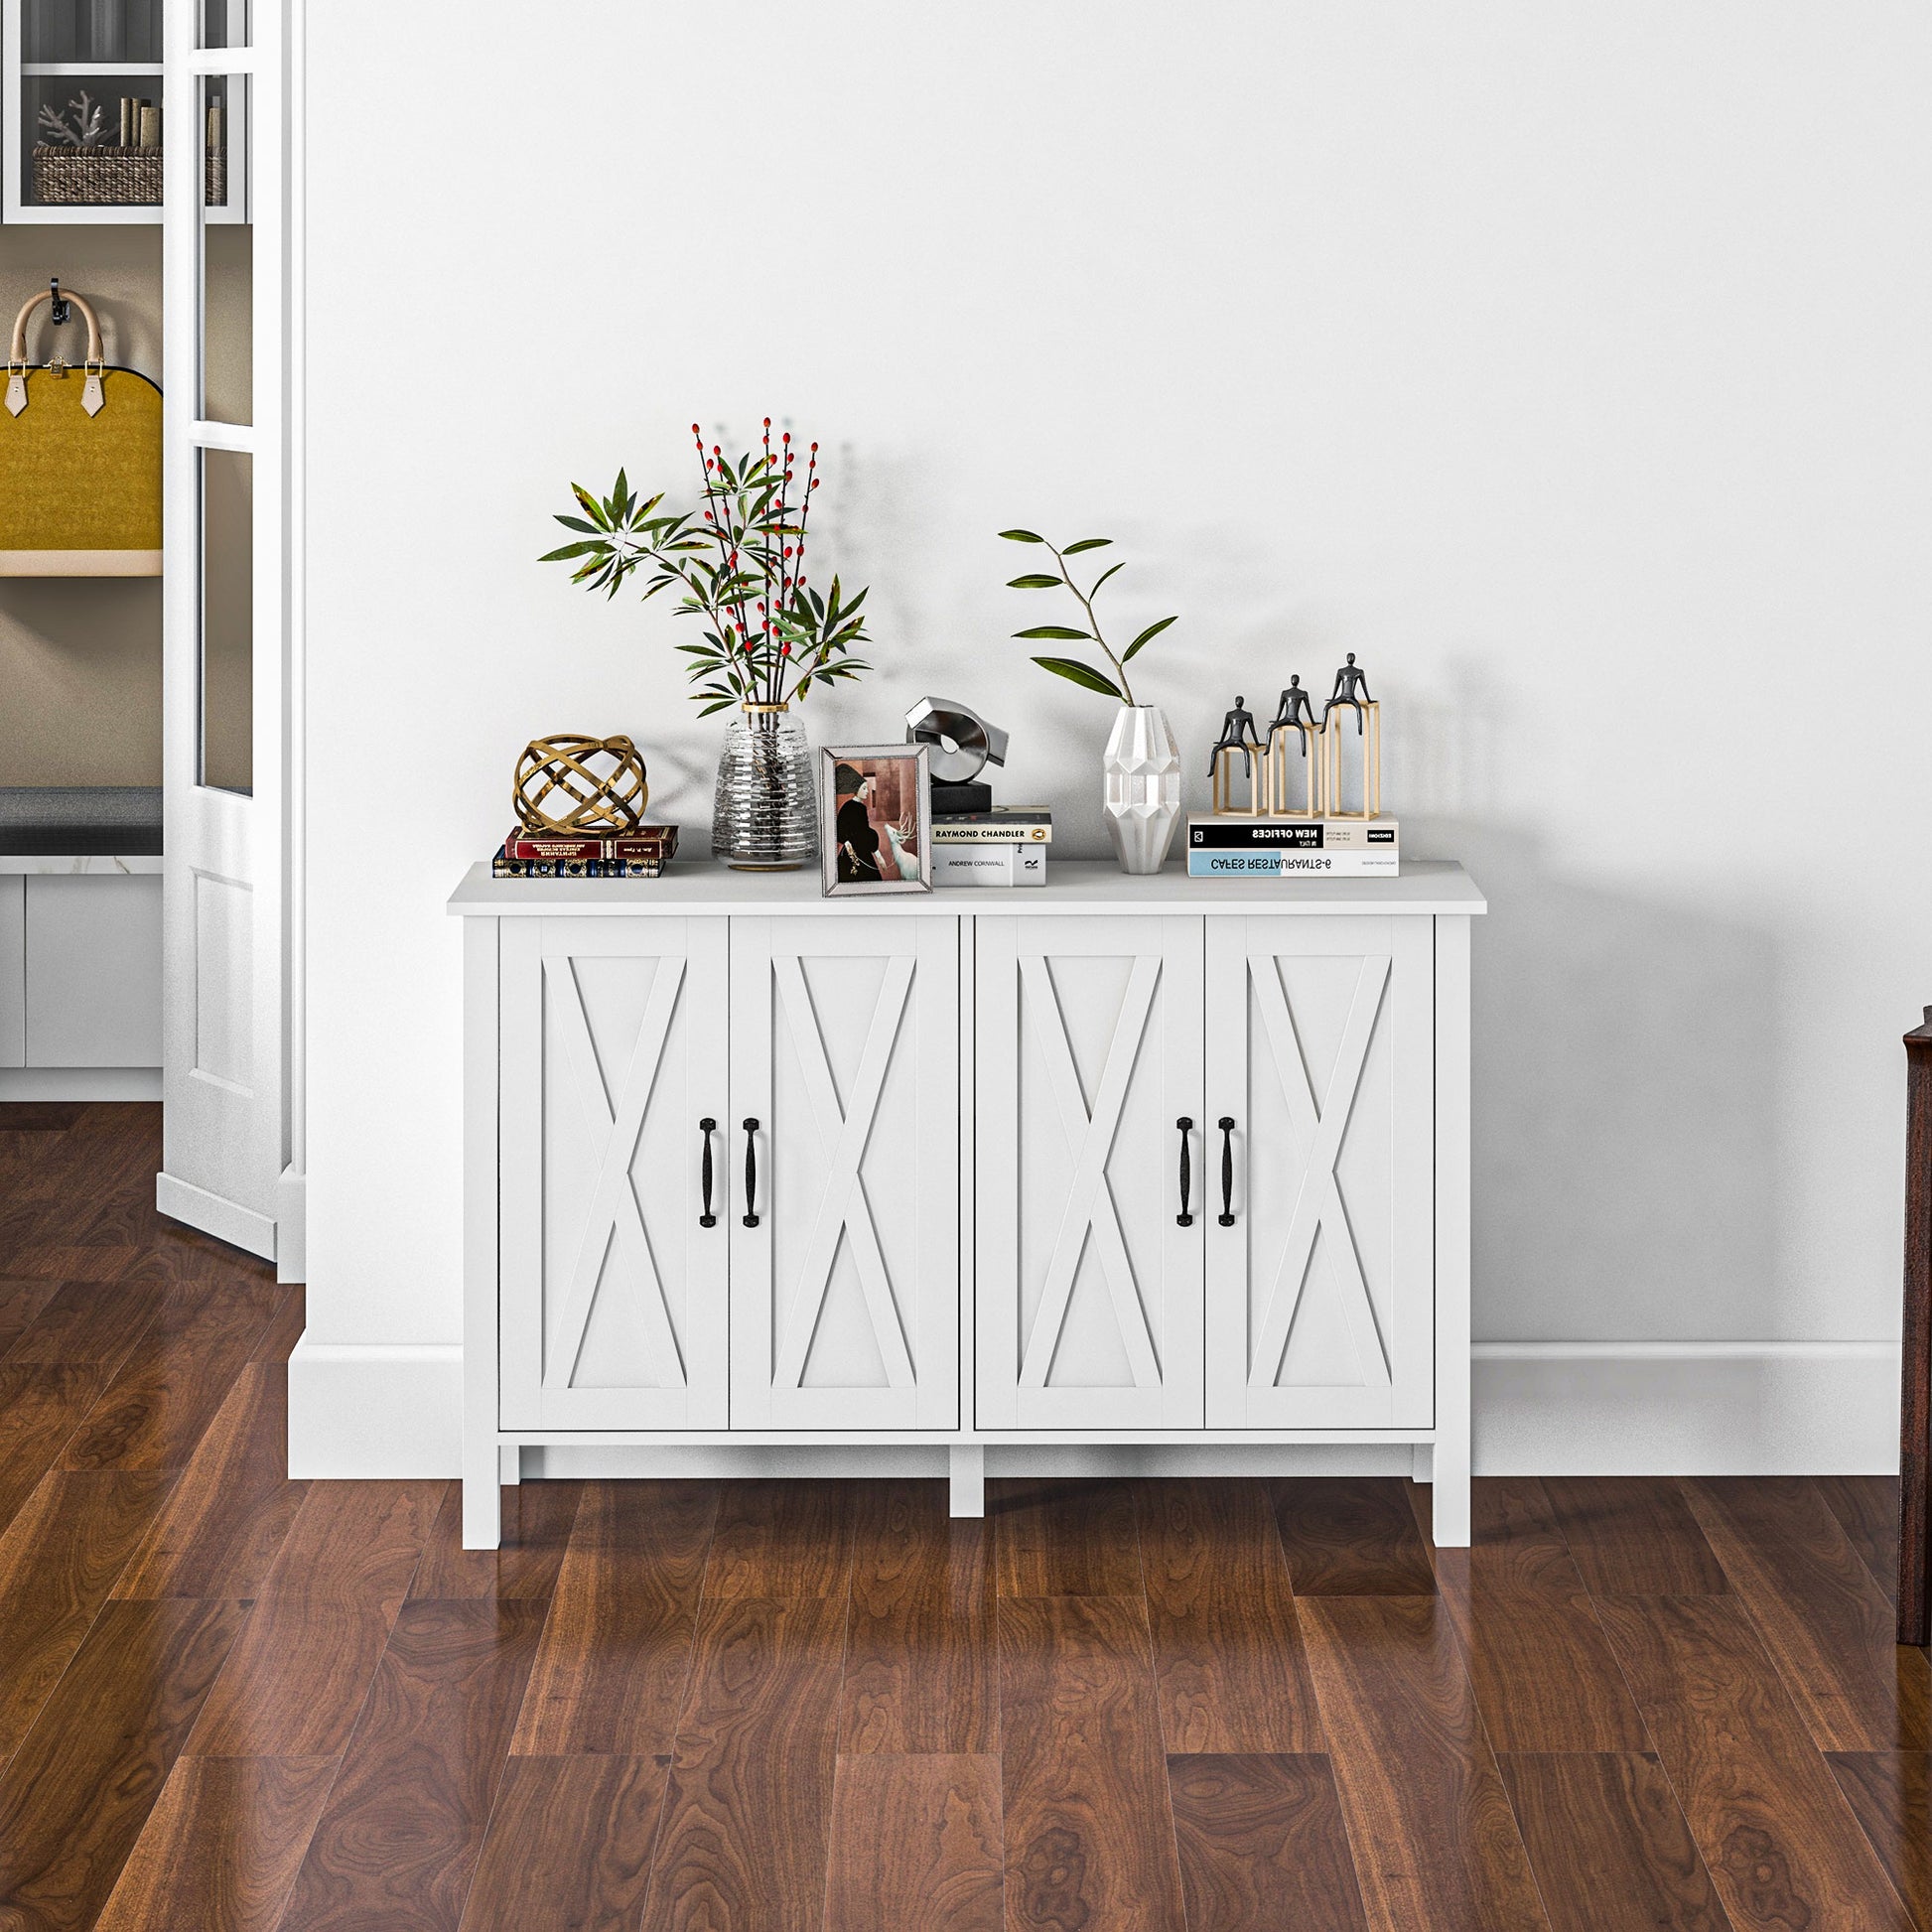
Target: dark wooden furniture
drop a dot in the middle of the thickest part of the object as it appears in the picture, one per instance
(1915, 1408)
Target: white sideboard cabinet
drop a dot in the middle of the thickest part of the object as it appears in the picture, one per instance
(1112, 1161)
(79, 978)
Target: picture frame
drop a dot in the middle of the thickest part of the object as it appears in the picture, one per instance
(870, 839)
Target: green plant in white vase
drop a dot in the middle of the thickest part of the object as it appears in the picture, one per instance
(1141, 771)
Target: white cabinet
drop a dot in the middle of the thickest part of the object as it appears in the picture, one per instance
(729, 1160)
(1088, 1057)
(1321, 1077)
(1184, 1161)
(1204, 1173)
(79, 978)
(13, 970)
(614, 1287)
(93, 996)
(845, 1116)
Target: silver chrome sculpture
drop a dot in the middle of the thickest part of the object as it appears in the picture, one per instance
(962, 742)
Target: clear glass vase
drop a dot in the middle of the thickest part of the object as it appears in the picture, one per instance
(765, 817)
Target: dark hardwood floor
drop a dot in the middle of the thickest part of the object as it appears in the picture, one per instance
(231, 1702)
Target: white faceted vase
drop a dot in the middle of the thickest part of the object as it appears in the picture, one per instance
(1142, 794)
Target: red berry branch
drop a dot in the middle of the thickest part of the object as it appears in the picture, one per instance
(739, 561)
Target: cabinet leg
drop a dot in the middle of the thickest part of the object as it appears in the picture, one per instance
(509, 1464)
(1449, 1515)
(1422, 1465)
(968, 1479)
(483, 1501)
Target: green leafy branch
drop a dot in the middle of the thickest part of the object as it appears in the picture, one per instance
(1071, 668)
(739, 562)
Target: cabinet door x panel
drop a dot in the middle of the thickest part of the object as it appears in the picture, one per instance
(1320, 1278)
(845, 1131)
(614, 1302)
(1088, 1287)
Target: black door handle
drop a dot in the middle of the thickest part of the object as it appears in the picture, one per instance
(751, 1173)
(707, 1126)
(1183, 1219)
(1226, 1125)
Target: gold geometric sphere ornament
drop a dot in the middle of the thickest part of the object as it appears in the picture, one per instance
(591, 787)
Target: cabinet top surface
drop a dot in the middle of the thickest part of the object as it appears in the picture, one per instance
(1424, 887)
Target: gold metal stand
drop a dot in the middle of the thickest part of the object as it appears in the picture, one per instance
(1333, 734)
(1290, 746)
(1224, 807)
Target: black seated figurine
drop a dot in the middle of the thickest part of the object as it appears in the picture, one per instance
(1351, 688)
(1237, 734)
(1297, 710)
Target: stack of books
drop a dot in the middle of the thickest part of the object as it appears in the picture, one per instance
(1228, 847)
(642, 854)
(1004, 847)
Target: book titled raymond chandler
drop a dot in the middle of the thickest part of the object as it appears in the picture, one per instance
(1003, 825)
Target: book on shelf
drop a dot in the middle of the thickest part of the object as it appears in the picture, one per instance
(1017, 824)
(655, 842)
(1286, 863)
(504, 866)
(1228, 832)
(988, 865)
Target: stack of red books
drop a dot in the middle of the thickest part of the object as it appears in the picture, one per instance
(642, 854)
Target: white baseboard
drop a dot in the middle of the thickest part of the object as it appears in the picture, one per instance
(1740, 1407)
(215, 1214)
(292, 1226)
(80, 1083)
(375, 1411)
(1707, 1409)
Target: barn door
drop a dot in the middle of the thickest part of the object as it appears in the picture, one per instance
(227, 956)
(614, 1303)
(845, 1139)
(1089, 1059)
(1320, 1052)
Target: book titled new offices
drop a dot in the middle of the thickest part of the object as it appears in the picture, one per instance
(1229, 847)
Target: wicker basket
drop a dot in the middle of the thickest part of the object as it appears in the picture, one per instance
(114, 177)
(91, 176)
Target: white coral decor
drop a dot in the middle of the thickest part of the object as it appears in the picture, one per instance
(80, 127)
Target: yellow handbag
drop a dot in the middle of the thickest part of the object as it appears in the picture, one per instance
(79, 464)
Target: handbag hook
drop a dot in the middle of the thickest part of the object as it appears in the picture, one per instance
(58, 312)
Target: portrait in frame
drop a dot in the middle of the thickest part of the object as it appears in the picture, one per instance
(874, 819)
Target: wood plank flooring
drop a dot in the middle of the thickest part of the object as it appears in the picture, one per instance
(231, 1702)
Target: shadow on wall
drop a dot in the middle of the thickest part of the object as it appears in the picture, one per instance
(1626, 1124)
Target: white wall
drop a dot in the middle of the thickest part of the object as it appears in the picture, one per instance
(1568, 362)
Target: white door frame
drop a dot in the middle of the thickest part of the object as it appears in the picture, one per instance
(231, 1058)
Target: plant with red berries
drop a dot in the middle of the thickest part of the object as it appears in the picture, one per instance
(1071, 668)
(741, 559)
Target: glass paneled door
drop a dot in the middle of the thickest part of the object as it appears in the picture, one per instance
(227, 611)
